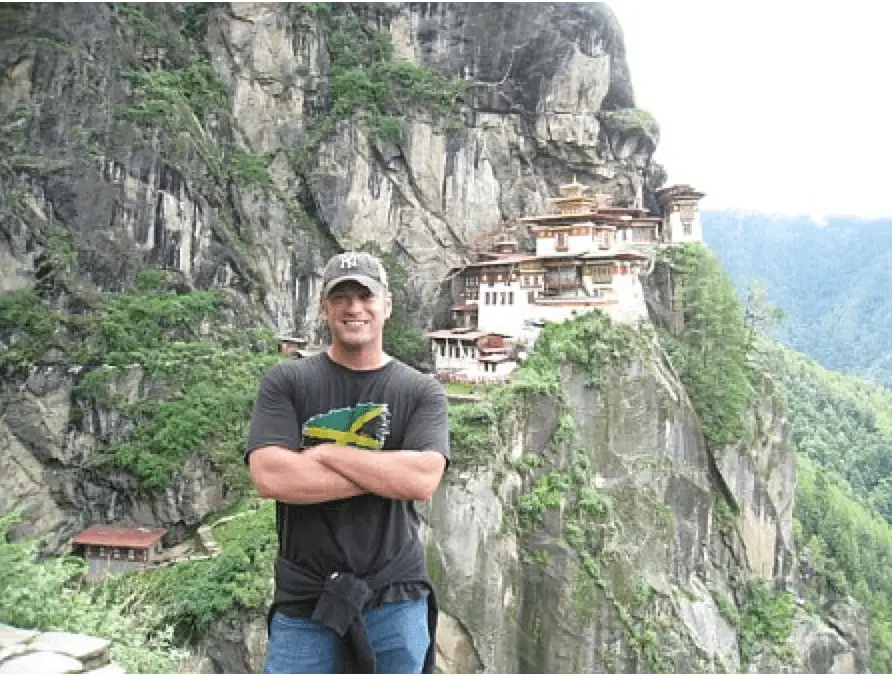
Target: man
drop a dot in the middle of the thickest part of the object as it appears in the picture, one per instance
(345, 441)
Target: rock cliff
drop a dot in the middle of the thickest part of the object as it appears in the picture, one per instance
(667, 580)
(200, 139)
(236, 146)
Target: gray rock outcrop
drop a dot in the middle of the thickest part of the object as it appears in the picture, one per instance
(31, 652)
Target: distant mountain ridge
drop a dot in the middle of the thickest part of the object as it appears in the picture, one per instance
(832, 280)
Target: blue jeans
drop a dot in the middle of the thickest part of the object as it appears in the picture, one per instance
(398, 634)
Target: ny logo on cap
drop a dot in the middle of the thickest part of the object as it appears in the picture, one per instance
(348, 261)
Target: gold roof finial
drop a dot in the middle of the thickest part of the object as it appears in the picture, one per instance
(574, 189)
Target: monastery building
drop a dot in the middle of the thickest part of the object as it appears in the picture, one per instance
(588, 255)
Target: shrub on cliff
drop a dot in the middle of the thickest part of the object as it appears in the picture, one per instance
(711, 350)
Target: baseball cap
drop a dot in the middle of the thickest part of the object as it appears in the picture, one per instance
(357, 266)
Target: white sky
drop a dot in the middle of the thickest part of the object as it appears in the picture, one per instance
(771, 106)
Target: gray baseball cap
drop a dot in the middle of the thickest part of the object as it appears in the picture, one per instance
(357, 266)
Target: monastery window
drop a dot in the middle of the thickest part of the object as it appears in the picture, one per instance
(510, 298)
(602, 274)
(561, 241)
(531, 296)
(503, 298)
(687, 213)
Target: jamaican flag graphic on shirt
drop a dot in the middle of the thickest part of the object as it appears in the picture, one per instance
(363, 426)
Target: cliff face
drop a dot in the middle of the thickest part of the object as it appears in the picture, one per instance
(539, 81)
(119, 140)
(202, 141)
(665, 579)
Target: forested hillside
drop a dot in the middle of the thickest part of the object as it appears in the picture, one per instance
(832, 282)
(842, 429)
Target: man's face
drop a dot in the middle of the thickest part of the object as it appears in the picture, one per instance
(355, 314)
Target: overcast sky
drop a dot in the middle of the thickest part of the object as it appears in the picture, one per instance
(779, 106)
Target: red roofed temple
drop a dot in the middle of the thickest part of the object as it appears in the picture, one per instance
(116, 549)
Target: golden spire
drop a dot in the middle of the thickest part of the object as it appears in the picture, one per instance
(574, 189)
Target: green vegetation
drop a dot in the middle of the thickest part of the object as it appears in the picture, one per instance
(592, 342)
(27, 327)
(632, 119)
(52, 595)
(831, 282)
(842, 430)
(560, 478)
(191, 106)
(469, 388)
(192, 596)
(208, 416)
(208, 385)
(148, 616)
(13, 17)
(841, 427)
(727, 609)
(367, 80)
(711, 352)
(202, 376)
(766, 618)
(474, 435)
(167, 96)
(850, 549)
(841, 423)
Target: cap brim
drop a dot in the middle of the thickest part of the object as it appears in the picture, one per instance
(370, 283)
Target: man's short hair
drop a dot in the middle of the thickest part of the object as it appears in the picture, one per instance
(356, 266)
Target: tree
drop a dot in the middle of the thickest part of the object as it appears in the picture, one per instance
(759, 315)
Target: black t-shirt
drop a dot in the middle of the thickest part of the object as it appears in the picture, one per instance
(315, 400)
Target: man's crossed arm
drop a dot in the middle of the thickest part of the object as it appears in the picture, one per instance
(331, 472)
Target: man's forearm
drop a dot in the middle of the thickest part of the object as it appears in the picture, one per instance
(401, 475)
(298, 478)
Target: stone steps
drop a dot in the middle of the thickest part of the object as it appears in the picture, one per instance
(24, 651)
